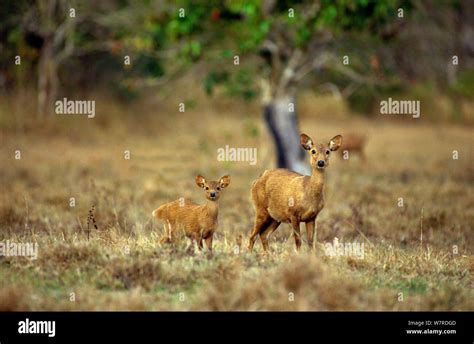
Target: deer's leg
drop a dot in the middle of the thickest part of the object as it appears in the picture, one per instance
(310, 233)
(164, 237)
(199, 241)
(264, 235)
(168, 232)
(262, 220)
(209, 242)
(196, 237)
(171, 226)
(295, 223)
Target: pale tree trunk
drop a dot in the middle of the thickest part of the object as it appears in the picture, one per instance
(47, 79)
(283, 126)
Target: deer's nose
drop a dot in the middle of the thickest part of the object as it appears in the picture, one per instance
(320, 163)
(213, 194)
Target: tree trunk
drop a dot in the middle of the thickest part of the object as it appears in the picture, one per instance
(283, 126)
(47, 79)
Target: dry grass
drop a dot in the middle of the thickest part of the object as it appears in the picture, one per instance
(123, 267)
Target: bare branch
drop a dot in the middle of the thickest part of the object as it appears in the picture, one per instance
(288, 74)
(277, 67)
(332, 88)
(63, 31)
(266, 91)
(64, 35)
(314, 64)
(349, 90)
(353, 75)
(158, 82)
(267, 7)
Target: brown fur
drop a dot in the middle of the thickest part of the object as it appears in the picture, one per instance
(354, 144)
(198, 221)
(283, 196)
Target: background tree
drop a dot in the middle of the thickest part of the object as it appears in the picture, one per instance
(65, 35)
(277, 45)
(290, 39)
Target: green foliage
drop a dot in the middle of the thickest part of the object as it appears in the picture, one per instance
(237, 84)
(368, 97)
(241, 84)
(252, 28)
(162, 42)
(147, 65)
(237, 25)
(464, 85)
(179, 27)
(190, 103)
(363, 100)
(191, 51)
(213, 79)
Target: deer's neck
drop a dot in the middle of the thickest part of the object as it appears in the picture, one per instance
(211, 208)
(316, 181)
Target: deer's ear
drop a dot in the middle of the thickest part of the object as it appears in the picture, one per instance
(224, 181)
(335, 143)
(200, 181)
(306, 141)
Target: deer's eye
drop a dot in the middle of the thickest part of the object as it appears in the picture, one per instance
(207, 187)
(218, 188)
(313, 151)
(327, 152)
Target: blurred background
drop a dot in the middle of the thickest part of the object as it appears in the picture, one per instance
(173, 81)
(325, 58)
(130, 50)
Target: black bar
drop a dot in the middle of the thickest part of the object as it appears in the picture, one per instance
(321, 327)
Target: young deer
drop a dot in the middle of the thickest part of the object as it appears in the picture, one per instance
(283, 196)
(198, 221)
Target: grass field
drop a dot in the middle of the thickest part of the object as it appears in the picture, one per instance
(121, 265)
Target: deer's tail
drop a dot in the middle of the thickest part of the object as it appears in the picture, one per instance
(158, 212)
